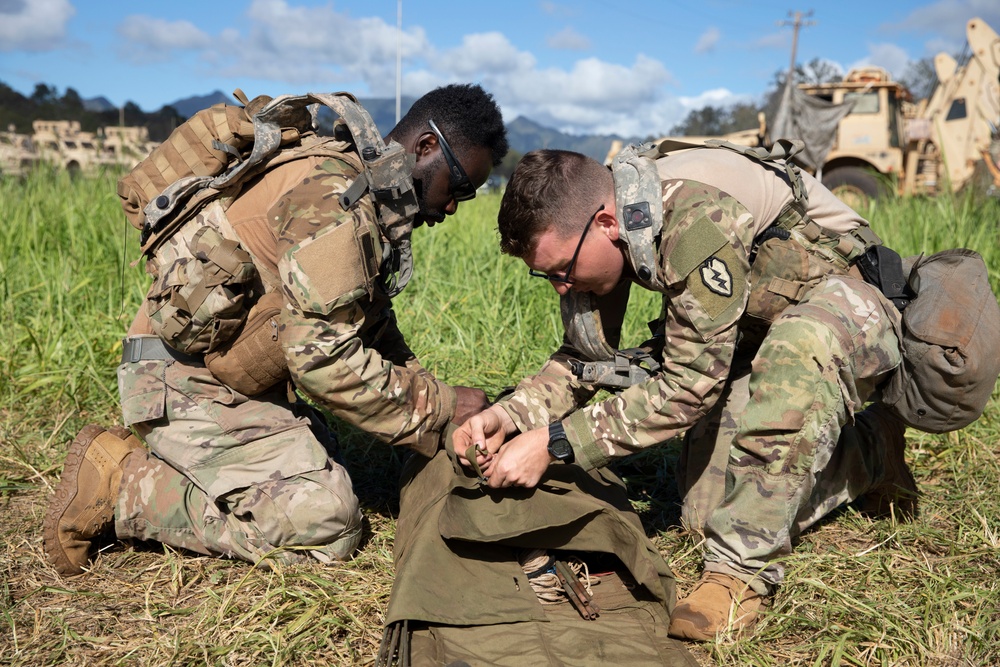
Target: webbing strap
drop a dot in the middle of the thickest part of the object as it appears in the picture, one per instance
(628, 367)
(783, 149)
(152, 348)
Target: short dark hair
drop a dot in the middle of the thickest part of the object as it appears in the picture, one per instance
(549, 188)
(466, 114)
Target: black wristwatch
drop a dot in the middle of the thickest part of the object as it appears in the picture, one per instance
(559, 446)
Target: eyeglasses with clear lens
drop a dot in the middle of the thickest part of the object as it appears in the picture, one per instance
(565, 277)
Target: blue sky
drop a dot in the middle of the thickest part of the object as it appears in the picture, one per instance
(589, 66)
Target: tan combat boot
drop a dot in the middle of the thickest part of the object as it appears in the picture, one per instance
(897, 488)
(718, 604)
(84, 505)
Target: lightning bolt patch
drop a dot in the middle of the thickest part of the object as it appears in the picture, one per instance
(716, 276)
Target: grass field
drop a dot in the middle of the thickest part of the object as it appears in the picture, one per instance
(858, 591)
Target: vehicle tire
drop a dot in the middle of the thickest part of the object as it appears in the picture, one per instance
(855, 186)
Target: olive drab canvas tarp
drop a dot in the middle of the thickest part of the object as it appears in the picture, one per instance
(463, 595)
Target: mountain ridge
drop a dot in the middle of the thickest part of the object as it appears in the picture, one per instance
(523, 134)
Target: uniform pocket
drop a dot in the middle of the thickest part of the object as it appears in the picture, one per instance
(781, 275)
(143, 391)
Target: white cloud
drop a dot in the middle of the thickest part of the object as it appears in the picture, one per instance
(149, 39)
(592, 96)
(33, 25)
(717, 97)
(309, 46)
(320, 46)
(946, 20)
(774, 40)
(708, 40)
(305, 47)
(568, 39)
(556, 9)
(948, 17)
(483, 55)
(891, 57)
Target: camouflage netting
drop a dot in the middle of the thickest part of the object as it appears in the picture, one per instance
(810, 119)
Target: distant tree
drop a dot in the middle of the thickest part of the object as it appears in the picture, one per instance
(133, 113)
(704, 121)
(714, 121)
(506, 168)
(162, 123)
(920, 78)
(817, 71)
(71, 101)
(743, 116)
(15, 109)
(46, 103)
(44, 94)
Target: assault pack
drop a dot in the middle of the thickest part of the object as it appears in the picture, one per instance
(208, 296)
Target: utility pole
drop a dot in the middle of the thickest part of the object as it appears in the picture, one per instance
(399, 57)
(796, 24)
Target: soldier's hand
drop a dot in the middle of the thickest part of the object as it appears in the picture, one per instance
(471, 401)
(488, 429)
(521, 462)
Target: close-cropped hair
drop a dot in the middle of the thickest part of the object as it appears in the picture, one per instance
(550, 188)
(466, 114)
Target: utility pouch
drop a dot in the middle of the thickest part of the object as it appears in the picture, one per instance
(783, 271)
(202, 283)
(253, 362)
(883, 268)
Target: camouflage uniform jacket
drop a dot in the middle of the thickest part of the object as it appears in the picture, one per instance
(708, 233)
(337, 327)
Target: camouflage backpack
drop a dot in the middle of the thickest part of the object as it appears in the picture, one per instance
(206, 285)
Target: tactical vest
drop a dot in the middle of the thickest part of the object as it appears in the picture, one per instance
(639, 208)
(208, 295)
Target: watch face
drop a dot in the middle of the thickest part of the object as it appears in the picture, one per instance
(561, 449)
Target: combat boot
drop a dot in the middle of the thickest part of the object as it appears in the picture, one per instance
(719, 603)
(83, 509)
(897, 488)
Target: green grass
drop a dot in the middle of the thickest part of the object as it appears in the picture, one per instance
(858, 592)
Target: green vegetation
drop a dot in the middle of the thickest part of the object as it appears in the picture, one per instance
(859, 591)
(45, 103)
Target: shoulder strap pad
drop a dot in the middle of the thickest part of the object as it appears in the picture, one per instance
(639, 204)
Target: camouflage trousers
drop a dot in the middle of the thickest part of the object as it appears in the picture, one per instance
(781, 448)
(229, 475)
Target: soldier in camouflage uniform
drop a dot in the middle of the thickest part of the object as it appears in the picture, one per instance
(766, 352)
(247, 477)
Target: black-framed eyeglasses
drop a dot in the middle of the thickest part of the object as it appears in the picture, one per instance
(565, 277)
(459, 185)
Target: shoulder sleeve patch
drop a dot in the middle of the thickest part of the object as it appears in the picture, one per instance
(331, 269)
(719, 283)
(696, 244)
